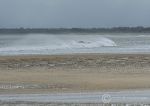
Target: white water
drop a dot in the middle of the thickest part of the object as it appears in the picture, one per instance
(36, 43)
(71, 43)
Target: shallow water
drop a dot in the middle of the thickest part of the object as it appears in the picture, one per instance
(68, 104)
(122, 97)
(74, 43)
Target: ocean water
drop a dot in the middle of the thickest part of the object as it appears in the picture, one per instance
(73, 43)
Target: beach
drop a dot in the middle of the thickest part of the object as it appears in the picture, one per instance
(38, 74)
(74, 53)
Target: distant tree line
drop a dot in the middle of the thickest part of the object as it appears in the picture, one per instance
(138, 29)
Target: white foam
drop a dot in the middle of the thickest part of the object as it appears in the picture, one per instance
(51, 42)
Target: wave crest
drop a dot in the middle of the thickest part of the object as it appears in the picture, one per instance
(77, 43)
(100, 42)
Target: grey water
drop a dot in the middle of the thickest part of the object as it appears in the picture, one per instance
(119, 98)
(74, 43)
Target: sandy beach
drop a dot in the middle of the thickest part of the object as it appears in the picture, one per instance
(74, 73)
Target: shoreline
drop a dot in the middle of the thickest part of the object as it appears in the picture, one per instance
(28, 56)
(122, 97)
(71, 54)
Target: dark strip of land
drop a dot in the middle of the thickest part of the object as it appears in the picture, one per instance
(138, 29)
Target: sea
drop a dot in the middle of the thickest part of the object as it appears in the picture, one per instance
(51, 44)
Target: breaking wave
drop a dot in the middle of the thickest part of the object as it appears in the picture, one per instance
(57, 44)
(40, 44)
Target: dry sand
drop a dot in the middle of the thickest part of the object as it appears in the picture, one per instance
(74, 73)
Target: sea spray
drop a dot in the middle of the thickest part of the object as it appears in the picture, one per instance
(40, 42)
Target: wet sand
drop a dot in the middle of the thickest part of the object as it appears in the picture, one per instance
(74, 73)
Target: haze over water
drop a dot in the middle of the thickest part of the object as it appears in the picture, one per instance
(74, 43)
(73, 14)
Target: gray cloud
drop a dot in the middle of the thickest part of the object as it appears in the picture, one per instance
(74, 13)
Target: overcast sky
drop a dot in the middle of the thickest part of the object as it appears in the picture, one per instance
(74, 13)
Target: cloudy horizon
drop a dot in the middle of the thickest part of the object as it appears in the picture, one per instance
(73, 13)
